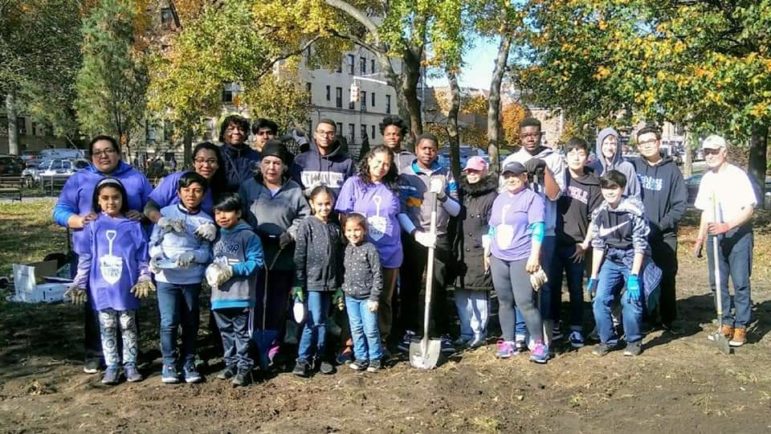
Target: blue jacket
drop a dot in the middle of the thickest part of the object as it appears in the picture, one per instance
(240, 164)
(243, 250)
(311, 169)
(170, 245)
(77, 194)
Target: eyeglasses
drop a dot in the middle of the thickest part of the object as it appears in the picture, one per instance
(712, 151)
(209, 161)
(647, 142)
(104, 152)
(325, 133)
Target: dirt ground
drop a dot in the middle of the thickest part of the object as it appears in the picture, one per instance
(678, 384)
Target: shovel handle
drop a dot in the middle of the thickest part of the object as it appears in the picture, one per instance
(429, 277)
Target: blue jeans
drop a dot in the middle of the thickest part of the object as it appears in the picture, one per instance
(611, 280)
(233, 324)
(473, 313)
(178, 305)
(315, 326)
(735, 259)
(364, 330)
(575, 278)
(546, 303)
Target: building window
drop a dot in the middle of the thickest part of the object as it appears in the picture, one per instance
(339, 128)
(329, 93)
(351, 133)
(363, 65)
(308, 90)
(388, 104)
(372, 66)
(167, 17)
(340, 66)
(373, 132)
(363, 131)
(373, 99)
(339, 97)
(21, 125)
(351, 63)
(363, 96)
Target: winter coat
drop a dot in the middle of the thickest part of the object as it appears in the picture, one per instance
(311, 169)
(477, 205)
(318, 255)
(601, 167)
(240, 163)
(664, 195)
(244, 253)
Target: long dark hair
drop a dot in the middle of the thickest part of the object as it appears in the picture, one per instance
(218, 182)
(391, 178)
(114, 183)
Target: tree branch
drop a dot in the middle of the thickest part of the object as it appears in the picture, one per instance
(356, 14)
(287, 55)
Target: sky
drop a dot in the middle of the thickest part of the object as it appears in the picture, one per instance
(478, 67)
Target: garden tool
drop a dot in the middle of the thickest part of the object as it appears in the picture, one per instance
(720, 340)
(266, 339)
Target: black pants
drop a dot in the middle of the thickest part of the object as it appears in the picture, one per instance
(664, 253)
(92, 341)
(413, 267)
(233, 324)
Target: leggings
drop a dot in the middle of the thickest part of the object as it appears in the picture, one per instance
(110, 321)
(512, 284)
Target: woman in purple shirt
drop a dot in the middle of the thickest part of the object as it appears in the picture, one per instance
(514, 240)
(374, 193)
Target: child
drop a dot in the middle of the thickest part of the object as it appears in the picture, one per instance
(233, 277)
(582, 196)
(362, 285)
(114, 269)
(620, 241)
(178, 287)
(318, 268)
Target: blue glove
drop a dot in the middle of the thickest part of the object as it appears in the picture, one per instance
(633, 287)
(591, 287)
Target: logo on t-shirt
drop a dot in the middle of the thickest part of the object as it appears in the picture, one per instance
(604, 232)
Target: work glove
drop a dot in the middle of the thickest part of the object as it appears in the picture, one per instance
(538, 279)
(285, 240)
(185, 259)
(437, 185)
(143, 288)
(297, 294)
(171, 225)
(535, 166)
(426, 239)
(76, 294)
(153, 265)
(591, 287)
(372, 305)
(206, 231)
(339, 299)
(633, 287)
(218, 273)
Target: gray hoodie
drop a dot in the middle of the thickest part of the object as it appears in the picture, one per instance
(600, 166)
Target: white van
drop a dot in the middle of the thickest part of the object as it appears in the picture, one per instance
(61, 154)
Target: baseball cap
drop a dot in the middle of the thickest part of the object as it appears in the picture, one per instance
(514, 168)
(476, 163)
(714, 142)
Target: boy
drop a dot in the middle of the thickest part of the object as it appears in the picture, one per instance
(620, 241)
(582, 196)
(238, 255)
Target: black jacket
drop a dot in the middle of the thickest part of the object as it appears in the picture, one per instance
(240, 163)
(663, 193)
(318, 255)
(477, 202)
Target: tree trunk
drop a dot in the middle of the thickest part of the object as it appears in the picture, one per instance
(494, 102)
(452, 123)
(757, 159)
(187, 147)
(409, 89)
(687, 158)
(13, 128)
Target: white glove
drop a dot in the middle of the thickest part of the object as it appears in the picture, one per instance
(298, 311)
(538, 279)
(185, 259)
(437, 186)
(372, 305)
(211, 273)
(76, 295)
(153, 265)
(171, 225)
(218, 273)
(206, 231)
(426, 239)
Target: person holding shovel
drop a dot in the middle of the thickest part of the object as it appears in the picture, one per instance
(727, 201)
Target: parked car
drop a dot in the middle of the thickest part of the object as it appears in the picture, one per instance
(692, 186)
(57, 171)
(466, 152)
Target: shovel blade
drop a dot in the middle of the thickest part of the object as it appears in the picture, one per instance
(427, 360)
(722, 343)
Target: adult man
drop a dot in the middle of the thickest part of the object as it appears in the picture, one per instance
(239, 160)
(609, 157)
(664, 196)
(325, 163)
(263, 130)
(394, 129)
(547, 168)
(420, 179)
(727, 201)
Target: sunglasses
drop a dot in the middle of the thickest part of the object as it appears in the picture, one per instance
(711, 151)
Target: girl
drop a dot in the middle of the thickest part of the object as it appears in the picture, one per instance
(113, 266)
(517, 229)
(179, 279)
(317, 258)
(479, 190)
(362, 286)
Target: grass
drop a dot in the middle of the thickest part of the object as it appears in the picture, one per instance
(29, 233)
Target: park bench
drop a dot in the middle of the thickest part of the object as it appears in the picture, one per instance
(11, 186)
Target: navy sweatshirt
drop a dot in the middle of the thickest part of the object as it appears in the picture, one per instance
(311, 169)
(663, 193)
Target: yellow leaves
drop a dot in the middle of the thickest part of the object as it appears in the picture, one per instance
(760, 110)
(602, 72)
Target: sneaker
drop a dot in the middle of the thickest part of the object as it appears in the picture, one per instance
(191, 374)
(556, 333)
(477, 342)
(374, 366)
(358, 365)
(672, 329)
(404, 344)
(242, 378)
(131, 372)
(633, 349)
(540, 353)
(601, 350)
(462, 341)
(272, 353)
(169, 375)
(725, 330)
(576, 339)
(446, 345)
(520, 346)
(739, 338)
(227, 373)
(301, 368)
(346, 355)
(327, 368)
(111, 375)
(505, 350)
(91, 366)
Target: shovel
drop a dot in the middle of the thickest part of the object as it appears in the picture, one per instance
(264, 339)
(719, 339)
(425, 354)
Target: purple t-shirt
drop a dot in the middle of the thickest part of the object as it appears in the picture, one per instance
(511, 218)
(381, 207)
(165, 193)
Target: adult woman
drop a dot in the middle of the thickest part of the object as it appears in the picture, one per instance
(276, 206)
(74, 210)
(517, 229)
(374, 193)
(239, 160)
(207, 162)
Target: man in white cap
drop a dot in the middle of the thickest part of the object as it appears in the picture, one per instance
(727, 201)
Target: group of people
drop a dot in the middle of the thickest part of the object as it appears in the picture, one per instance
(320, 237)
